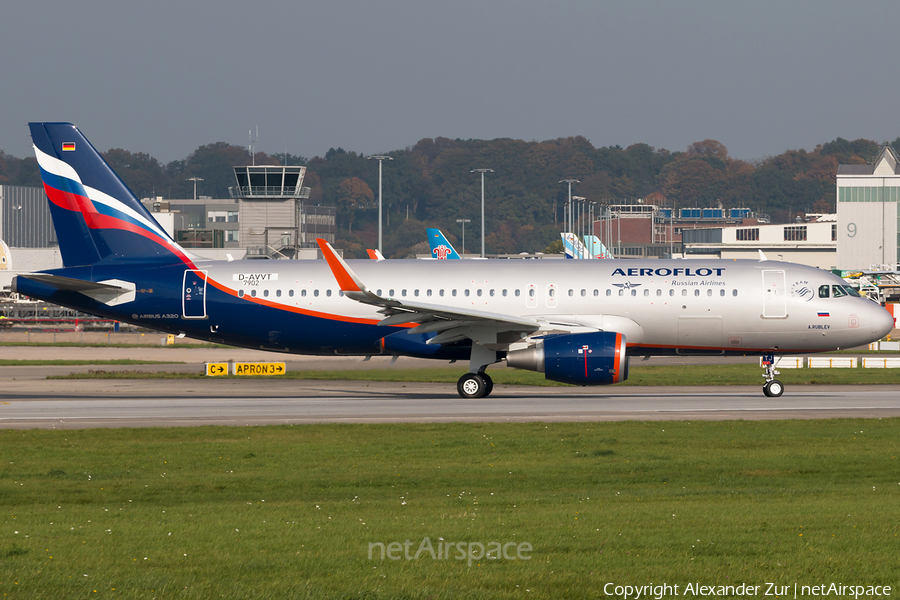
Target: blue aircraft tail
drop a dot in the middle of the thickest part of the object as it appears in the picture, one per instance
(97, 218)
(573, 246)
(595, 247)
(440, 247)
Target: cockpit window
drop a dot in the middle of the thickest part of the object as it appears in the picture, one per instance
(824, 291)
(837, 291)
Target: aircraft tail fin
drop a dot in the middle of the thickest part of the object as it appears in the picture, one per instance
(96, 217)
(572, 245)
(440, 247)
(595, 247)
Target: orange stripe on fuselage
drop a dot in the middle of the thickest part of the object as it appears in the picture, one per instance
(297, 309)
(618, 361)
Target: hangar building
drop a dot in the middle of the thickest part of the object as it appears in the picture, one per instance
(868, 224)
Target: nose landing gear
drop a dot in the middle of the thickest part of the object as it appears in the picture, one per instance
(772, 388)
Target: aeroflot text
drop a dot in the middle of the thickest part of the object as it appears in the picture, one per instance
(660, 591)
(666, 272)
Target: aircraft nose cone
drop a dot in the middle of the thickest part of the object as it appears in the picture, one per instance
(882, 321)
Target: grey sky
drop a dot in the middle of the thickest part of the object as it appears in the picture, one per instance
(167, 76)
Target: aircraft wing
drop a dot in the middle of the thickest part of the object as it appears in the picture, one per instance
(449, 322)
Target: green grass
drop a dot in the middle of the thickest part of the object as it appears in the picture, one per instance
(290, 512)
(726, 374)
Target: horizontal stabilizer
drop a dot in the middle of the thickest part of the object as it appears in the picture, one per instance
(110, 292)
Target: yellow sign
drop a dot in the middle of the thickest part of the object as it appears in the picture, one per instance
(241, 368)
(170, 340)
(216, 369)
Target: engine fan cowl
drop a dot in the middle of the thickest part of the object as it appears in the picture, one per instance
(580, 358)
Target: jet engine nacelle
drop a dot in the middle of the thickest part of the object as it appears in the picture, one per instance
(578, 358)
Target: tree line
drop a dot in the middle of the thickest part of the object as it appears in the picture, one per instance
(431, 184)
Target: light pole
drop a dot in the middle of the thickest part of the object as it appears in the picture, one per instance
(380, 158)
(579, 223)
(482, 171)
(195, 180)
(464, 221)
(570, 182)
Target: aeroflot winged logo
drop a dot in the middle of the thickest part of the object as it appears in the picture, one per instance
(667, 272)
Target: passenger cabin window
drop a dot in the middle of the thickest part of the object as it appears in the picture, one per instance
(278, 293)
(734, 292)
(328, 293)
(609, 292)
(240, 293)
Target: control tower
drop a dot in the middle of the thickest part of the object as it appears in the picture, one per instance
(272, 217)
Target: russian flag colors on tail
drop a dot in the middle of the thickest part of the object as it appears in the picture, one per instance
(96, 217)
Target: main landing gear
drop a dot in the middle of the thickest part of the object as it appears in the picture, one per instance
(476, 383)
(773, 388)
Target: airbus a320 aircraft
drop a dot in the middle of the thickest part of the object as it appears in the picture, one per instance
(575, 321)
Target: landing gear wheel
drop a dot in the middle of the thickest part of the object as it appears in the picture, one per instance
(471, 386)
(488, 384)
(773, 388)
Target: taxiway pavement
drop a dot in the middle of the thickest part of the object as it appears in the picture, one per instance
(51, 404)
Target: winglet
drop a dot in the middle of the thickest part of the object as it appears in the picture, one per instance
(346, 278)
